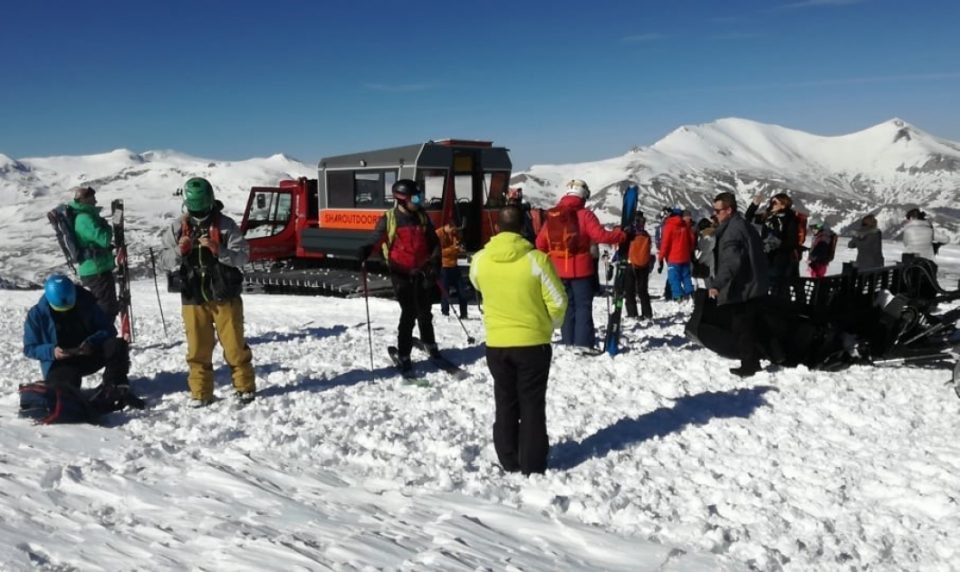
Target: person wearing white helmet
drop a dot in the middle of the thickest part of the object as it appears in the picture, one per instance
(566, 236)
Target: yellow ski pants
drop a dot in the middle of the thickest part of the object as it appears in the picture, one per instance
(199, 321)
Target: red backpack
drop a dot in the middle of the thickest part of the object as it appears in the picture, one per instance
(563, 229)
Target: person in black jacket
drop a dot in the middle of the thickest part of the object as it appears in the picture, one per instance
(779, 237)
(408, 242)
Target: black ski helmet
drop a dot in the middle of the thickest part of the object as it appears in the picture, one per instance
(404, 189)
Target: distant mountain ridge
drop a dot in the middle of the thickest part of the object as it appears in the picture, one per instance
(885, 170)
(146, 181)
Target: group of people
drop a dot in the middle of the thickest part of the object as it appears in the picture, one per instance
(750, 265)
(71, 331)
(527, 287)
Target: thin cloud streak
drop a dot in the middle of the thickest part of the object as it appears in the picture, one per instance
(818, 3)
(813, 83)
(399, 88)
(737, 36)
(641, 38)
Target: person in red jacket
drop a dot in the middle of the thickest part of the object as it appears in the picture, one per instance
(676, 248)
(566, 235)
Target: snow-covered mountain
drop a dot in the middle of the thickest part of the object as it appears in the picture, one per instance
(884, 170)
(146, 181)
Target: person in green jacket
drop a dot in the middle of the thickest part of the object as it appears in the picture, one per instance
(94, 236)
(524, 301)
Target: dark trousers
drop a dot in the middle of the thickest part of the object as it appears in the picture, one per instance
(113, 356)
(636, 282)
(745, 325)
(453, 282)
(519, 390)
(577, 328)
(415, 295)
(103, 286)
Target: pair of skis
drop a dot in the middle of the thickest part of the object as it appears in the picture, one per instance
(412, 377)
(123, 271)
(611, 340)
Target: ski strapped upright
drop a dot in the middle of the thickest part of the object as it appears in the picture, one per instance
(611, 341)
(123, 271)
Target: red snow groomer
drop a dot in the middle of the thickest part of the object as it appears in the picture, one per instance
(304, 234)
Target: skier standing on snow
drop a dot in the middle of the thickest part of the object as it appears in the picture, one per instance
(524, 301)
(94, 235)
(450, 248)
(740, 279)
(515, 199)
(566, 236)
(637, 279)
(919, 236)
(868, 240)
(71, 336)
(409, 244)
(779, 235)
(822, 250)
(676, 249)
(703, 256)
(206, 247)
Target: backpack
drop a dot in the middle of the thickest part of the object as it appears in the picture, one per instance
(55, 404)
(639, 252)
(563, 229)
(63, 218)
(49, 404)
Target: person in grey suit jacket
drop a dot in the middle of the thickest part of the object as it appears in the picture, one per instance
(740, 279)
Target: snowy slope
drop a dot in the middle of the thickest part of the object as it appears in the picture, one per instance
(660, 460)
(885, 170)
(146, 181)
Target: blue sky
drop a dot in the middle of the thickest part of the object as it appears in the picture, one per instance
(556, 82)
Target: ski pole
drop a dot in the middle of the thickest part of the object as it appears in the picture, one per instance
(366, 302)
(153, 265)
(446, 295)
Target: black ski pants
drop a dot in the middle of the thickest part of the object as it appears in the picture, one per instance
(746, 325)
(113, 357)
(636, 282)
(415, 294)
(519, 390)
(103, 286)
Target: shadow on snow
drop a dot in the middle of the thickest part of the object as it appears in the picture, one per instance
(696, 409)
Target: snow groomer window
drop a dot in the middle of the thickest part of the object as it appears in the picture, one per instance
(432, 181)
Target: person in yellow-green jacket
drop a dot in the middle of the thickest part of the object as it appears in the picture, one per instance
(523, 302)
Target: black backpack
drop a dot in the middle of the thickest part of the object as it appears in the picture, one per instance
(49, 404)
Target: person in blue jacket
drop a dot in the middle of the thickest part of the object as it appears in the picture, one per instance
(71, 336)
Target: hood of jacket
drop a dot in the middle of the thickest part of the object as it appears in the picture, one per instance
(571, 202)
(507, 247)
(84, 207)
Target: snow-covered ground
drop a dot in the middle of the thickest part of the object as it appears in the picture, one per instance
(660, 458)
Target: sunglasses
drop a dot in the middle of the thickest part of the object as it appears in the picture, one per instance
(720, 210)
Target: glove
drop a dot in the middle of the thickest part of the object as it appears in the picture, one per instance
(660, 267)
(213, 247)
(185, 245)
